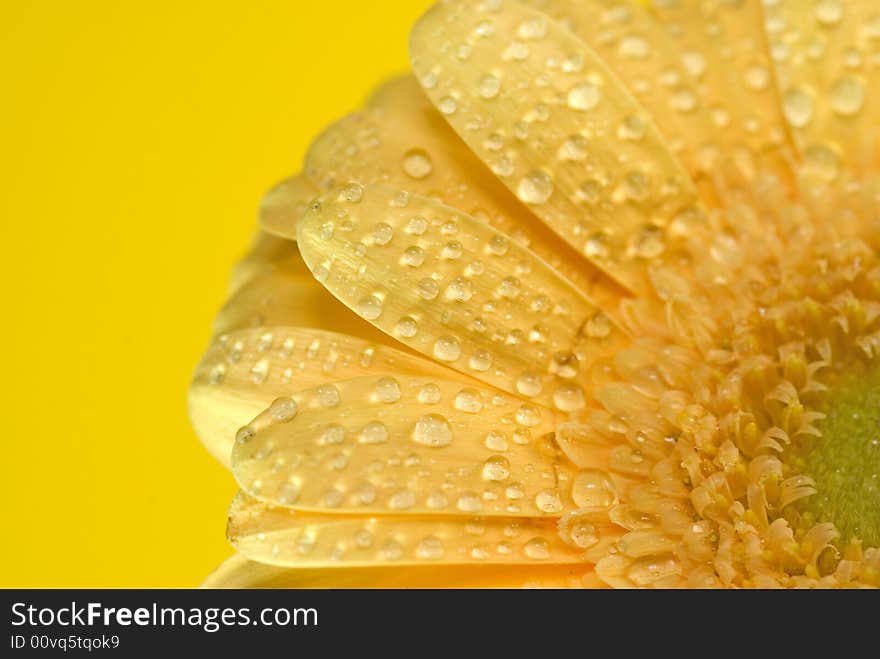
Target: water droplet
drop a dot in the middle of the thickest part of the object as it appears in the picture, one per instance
(374, 432)
(452, 250)
(757, 78)
(821, 162)
(352, 193)
(634, 46)
(548, 501)
(382, 234)
(391, 551)
(847, 95)
(514, 491)
(590, 192)
(535, 187)
(459, 290)
(829, 12)
(489, 86)
(598, 326)
(436, 501)
(797, 105)
(573, 149)
(584, 97)
(469, 502)
(496, 468)
(417, 163)
(333, 434)
(363, 539)
(370, 307)
(481, 360)
(328, 395)
(517, 51)
(468, 400)
(413, 256)
(428, 288)
(684, 100)
(649, 242)
(447, 348)
(529, 384)
(402, 500)
(430, 549)
(631, 128)
(532, 29)
(447, 105)
(432, 430)
(332, 498)
(417, 225)
(495, 441)
(537, 549)
(569, 397)
(283, 409)
(406, 327)
(429, 394)
(592, 488)
(288, 493)
(527, 415)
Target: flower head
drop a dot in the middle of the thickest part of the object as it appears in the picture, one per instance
(592, 299)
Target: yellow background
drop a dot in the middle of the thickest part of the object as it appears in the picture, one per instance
(136, 140)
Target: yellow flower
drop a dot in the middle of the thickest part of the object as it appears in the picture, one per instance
(593, 299)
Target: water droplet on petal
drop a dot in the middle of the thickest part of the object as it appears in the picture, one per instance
(592, 488)
(432, 430)
(417, 163)
(797, 105)
(847, 95)
(447, 348)
(370, 307)
(537, 549)
(535, 187)
(489, 86)
(584, 97)
(496, 468)
(283, 409)
(548, 501)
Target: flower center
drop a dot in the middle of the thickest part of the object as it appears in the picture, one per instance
(845, 460)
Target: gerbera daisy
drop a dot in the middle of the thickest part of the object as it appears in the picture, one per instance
(592, 299)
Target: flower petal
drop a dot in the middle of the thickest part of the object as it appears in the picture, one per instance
(265, 251)
(283, 205)
(453, 288)
(239, 572)
(404, 445)
(400, 139)
(559, 129)
(283, 292)
(243, 371)
(281, 536)
(829, 74)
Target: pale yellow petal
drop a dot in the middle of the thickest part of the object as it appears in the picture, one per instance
(404, 445)
(265, 251)
(243, 371)
(401, 139)
(281, 536)
(453, 288)
(239, 572)
(284, 293)
(560, 130)
(827, 56)
(283, 205)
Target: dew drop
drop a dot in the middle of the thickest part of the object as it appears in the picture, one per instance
(289, 493)
(430, 549)
(797, 105)
(527, 415)
(632, 128)
(538, 549)
(328, 395)
(417, 163)
(569, 397)
(548, 501)
(352, 193)
(757, 78)
(417, 225)
(429, 394)
(333, 434)
(573, 149)
(382, 234)
(432, 430)
(391, 551)
(598, 326)
(469, 502)
(489, 86)
(529, 384)
(481, 360)
(592, 488)
(649, 242)
(847, 95)
(829, 12)
(496, 468)
(436, 501)
(684, 100)
(584, 97)
(370, 307)
(447, 105)
(535, 187)
(402, 500)
(413, 256)
(495, 441)
(428, 288)
(283, 409)
(468, 400)
(374, 432)
(447, 348)
(406, 327)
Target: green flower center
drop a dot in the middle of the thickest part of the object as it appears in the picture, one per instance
(845, 460)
